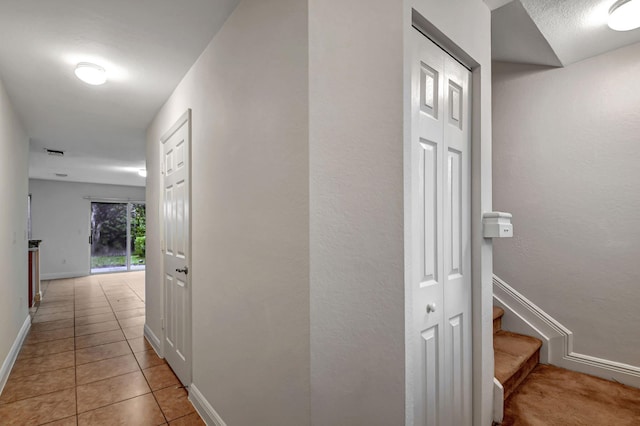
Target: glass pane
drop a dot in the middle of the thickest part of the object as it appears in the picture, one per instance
(108, 237)
(138, 236)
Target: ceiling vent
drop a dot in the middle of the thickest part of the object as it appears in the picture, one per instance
(55, 152)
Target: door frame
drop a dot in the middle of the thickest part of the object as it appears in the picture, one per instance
(184, 118)
(481, 248)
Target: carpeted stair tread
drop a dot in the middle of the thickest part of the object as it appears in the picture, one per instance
(555, 396)
(515, 344)
(515, 356)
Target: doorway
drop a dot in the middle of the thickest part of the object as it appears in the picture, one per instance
(440, 246)
(117, 237)
(176, 246)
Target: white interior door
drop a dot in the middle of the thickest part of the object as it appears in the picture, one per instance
(176, 190)
(440, 236)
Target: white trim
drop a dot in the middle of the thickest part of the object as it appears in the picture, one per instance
(481, 201)
(185, 118)
(153, 340)
(7, 365)
(525, 317)
(498, 401)
(202, 406)
(61, 275)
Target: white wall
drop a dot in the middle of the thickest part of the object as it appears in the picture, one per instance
(356, 176)
(250, 211)
(298, 225)
(358, 95)
(14, 148)
(60, 217)
(566, 165)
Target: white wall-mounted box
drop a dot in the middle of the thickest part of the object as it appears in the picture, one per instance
(497, 225)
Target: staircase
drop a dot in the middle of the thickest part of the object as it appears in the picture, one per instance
(515, 355)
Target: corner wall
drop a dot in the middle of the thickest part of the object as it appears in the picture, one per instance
(60, 217)
(356, 174)
(566, 165)
(14, 148)
(298, 204)
(250, 215)
(358, 95)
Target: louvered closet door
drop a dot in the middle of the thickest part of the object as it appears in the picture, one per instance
(440, 240)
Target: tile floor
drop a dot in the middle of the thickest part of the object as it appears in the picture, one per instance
(85, 361)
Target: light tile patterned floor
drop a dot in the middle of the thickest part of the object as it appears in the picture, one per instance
(86, 362)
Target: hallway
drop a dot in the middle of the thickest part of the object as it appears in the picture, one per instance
(85, 361)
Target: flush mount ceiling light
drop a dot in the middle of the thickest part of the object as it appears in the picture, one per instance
(91, 73)
(624, 15)
(142, 172)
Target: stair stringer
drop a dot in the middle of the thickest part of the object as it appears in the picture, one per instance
(524, 317)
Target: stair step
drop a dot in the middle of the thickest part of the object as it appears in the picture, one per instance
(515, 356)
(497, 319)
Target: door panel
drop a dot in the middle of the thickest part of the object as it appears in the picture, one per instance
(176, 249)
(430, 380)
(429, 192)
(440, 241)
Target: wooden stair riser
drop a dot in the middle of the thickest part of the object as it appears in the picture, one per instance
(516, 355)
(498, 313)
(514, 381)
(497, 325)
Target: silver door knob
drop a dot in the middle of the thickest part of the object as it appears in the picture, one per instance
(431, 307)
(185, 270)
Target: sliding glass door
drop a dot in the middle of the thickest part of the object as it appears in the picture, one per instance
(137, 242)
(117, 237)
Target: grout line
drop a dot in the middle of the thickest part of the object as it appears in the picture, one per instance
(42, 372)
(116, 402)
(21, 357)
(70, 291)
(112, 377)
(103, 359)
(36, 396)
(99, 344)
(138, 362)
(49, 341)
(99, 322)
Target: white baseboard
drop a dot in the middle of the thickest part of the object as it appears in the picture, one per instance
(557, 341)
(61, 275)
(153, 340)
(206, 411)
(7, 365)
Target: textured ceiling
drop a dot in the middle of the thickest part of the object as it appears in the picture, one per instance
(513, 29)
(146, 46)
(569, 30)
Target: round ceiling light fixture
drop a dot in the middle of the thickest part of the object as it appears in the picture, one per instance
(142, 172)
(91, 73)
(624, 15)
